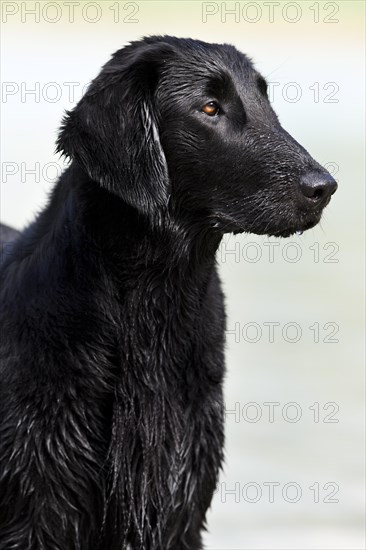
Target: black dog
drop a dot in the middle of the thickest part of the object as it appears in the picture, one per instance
(111, 424)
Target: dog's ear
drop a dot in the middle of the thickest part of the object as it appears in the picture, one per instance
(112, 132)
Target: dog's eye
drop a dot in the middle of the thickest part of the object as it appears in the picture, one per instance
(211, 108)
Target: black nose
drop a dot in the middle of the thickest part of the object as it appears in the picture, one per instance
(318, 186)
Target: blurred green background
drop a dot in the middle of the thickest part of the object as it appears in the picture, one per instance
(294, 471)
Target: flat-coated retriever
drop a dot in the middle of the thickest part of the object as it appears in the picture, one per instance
(111, 424)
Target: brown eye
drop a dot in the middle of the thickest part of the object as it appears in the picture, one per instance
(211, 108)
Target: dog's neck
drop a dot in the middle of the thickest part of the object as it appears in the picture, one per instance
(131, 240)
(120, 242)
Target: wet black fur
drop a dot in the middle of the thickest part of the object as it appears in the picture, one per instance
(112, 342)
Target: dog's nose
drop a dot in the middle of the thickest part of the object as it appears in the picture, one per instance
(318, 186)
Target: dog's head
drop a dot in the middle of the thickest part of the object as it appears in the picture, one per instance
(185, 128)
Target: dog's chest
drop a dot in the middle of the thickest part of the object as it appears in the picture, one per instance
(170, 326)
(169, 409)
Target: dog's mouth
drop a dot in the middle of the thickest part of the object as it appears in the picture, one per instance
(296, 230)
(267, 215)
(284, 229)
